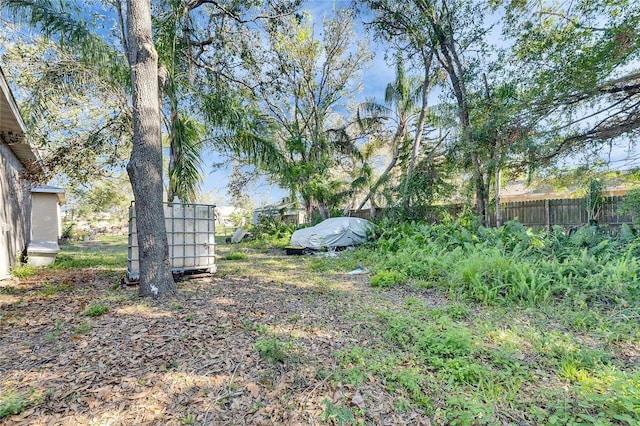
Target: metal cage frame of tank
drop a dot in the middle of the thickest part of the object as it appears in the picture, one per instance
(190, 235)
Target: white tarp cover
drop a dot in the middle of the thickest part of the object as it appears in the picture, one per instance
(333, 232)
(238, 235)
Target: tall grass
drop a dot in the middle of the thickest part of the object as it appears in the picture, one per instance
(510, 264)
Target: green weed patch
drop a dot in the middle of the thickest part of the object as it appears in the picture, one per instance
(236, 255)
(530, 331)
(15, 403)
(510, 264)
(96, 310)
(275, 349)
(24, 271)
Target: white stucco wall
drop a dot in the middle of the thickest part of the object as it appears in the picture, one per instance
(15, 210)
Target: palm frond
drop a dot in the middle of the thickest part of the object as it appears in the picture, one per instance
(186, 172)
(255, 149)
(62, 21)
(370, 115)
(344, 143)
(360, 182)
(371, 108)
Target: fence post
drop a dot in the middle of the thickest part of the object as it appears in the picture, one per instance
(547, 213)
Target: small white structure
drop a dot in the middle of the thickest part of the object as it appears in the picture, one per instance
(225, 216)
(46, 224)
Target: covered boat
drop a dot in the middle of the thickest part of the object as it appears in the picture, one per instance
(333, 232)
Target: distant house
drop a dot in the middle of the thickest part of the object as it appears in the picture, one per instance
(230, 217)
(283, 212)
(16, 157)
(521, 191)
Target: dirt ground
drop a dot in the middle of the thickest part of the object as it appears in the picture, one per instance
(254, 344)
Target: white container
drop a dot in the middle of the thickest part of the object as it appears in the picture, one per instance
(42, 253)
(191, 238)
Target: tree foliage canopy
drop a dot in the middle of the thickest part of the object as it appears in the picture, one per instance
(481, 87)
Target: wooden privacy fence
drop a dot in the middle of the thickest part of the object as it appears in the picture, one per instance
(566, 212)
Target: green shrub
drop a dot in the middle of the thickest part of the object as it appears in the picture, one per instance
(272, 232)
(511, 264)
(24, 271)
(514, 234)
(96, 310)
(626, 233)
(631, 205)
(388, 278)
(236, 255)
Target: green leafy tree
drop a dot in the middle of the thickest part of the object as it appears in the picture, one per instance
(296, 134)
(63, 22)
(446, 30)
(502, 139)
(631, 205)
(453, 27)
(400, 108)
(185, 133)
(578, 65)
(110, 195)
(594, 200)
(76, 113)
(145, 164)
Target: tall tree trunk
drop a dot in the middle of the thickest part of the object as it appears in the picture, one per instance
(173, 155)
(498, 182)
(460, 92)
(497, 160)
(481, 207)
(488, 176)
(396, 142)
(447, 55)
(427, 58)
(459, 87)
(145, 164)
(322, 208)
(308, 209)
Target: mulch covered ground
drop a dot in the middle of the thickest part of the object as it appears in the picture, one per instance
(209, 357)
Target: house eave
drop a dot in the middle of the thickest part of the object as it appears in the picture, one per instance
(13, 129)
(29, 157)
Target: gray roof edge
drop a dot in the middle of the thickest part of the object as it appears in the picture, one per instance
(24, 151)
(12, 101)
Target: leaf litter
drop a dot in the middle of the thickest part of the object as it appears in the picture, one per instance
(192, 360)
